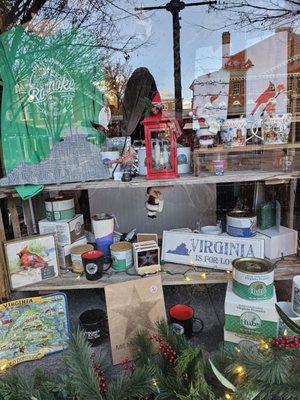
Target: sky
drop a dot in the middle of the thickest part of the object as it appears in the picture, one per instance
(200, 48)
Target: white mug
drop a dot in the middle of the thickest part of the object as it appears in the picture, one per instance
(286, 307)
(296, 295)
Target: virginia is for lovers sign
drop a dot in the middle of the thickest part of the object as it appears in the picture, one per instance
(211, 251)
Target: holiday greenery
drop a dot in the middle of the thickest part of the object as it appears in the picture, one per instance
(167, 367)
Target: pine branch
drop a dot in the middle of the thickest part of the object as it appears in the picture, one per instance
(143, 349)
(26, 386)
(127, 387)
(81, 373)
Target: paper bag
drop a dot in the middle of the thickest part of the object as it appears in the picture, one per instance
(131, 307)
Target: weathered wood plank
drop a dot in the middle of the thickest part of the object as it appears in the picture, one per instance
(187, 179)
(12, 208)
(28, 217)
(4, 281)
(284, 271)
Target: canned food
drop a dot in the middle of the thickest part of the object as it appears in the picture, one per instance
(76, 253)
(241, 223)
(253, 278)
(121, 254)
(60, 208)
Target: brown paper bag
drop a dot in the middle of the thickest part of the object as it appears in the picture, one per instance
(131, 307)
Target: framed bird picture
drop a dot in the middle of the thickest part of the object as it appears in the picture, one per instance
(31, 259)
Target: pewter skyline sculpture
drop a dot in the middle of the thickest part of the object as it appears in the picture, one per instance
(72, 160)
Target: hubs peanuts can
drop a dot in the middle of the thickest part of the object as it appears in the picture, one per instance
(253, 278)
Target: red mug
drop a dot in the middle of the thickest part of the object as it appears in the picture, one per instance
(184, 316)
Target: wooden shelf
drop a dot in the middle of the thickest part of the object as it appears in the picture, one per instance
(187, 179)
(247, 148)
(284, 271)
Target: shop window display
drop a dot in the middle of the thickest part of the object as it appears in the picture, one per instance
(177, 122)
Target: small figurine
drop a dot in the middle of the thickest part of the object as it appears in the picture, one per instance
(154, 202)
(127, 159)
(206, 128)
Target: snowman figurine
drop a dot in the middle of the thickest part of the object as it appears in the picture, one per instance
(206, 129)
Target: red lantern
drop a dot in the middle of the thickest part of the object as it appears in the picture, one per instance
(161, 134)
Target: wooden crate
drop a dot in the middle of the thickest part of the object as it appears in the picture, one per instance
(281, 158)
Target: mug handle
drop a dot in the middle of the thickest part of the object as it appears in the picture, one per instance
(201, 326)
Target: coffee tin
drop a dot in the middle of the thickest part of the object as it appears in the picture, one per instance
(241, 223)
(253, 278)
(60, 208)
(76, 253)
(121, 254)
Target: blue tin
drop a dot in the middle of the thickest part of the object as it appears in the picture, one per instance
(241, 223)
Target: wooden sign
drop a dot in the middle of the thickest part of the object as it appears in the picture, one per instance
(211, 251)
(131, 307)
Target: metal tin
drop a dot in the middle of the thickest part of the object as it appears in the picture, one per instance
(241, 223)
(60, 208)
(121, 254)
(76, 253)
(253, 278)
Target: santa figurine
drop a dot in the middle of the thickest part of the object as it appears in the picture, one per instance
(154, 202)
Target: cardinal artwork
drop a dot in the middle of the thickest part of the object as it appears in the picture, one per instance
(31, 259)
(267, 100)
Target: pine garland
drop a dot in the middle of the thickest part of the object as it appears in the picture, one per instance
(272, 372)
(179, 368)
(167, 367)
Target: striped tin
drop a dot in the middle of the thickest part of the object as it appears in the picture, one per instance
(253, 278)
(121, 254)
(241, 223)
(60, 208)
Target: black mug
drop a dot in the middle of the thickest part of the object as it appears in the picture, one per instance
(93, 264)
(184, 316)
(93, 323)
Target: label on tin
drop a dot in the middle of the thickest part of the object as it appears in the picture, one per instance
(249, 278)
(253, 286)
(77, 263)
(121, 260)
(255, 291)
(241, 227)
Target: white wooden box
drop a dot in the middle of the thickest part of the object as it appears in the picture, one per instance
(146, 257)
(211, 251)
(279, 243)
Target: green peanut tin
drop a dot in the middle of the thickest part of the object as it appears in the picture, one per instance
(253, 278)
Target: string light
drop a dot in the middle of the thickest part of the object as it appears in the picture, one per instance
(203, 275)
(154, 382)
(78, 277)
(228, 396)
(239, 369)
(187, 278)
(285, 332)
(264, 345)
(237, 349)
(3, 367)
(228, 272)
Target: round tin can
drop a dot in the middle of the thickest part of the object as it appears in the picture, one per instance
(121, 254)
(60, 208)
(76, 253)
(241, 223)
(253, 278)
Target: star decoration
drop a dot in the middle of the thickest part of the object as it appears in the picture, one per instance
(136, 313)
